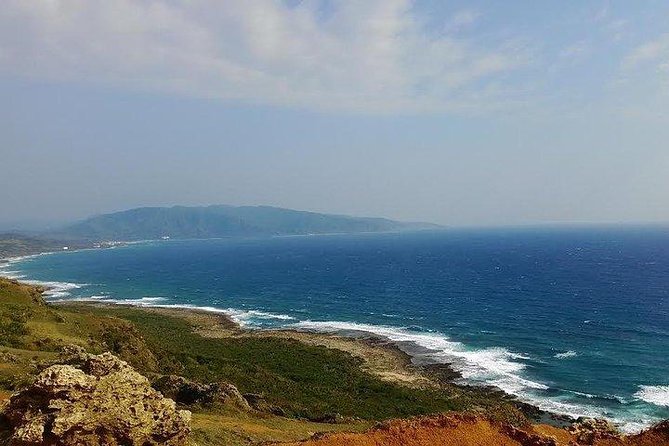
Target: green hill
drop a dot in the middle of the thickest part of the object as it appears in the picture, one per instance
(14, 244)
(183, 222)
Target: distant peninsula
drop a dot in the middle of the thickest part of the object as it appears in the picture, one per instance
(184, 222)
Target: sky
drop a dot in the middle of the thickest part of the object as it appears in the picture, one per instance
(454, 112)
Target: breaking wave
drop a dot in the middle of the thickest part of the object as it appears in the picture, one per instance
(56, 290)
(492, 366)
(246, 318)
(658, 395)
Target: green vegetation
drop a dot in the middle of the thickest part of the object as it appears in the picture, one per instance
(305, 381)
(29, 328)
(14, 245)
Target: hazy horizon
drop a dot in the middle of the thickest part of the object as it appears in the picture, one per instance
(460, 113)
(40, 226)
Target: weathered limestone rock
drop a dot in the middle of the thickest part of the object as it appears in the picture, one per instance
(8, 357)
(105, 402)
(188, 392)
(591, 430)
(73, 354)
(258, 402)
(527, 438)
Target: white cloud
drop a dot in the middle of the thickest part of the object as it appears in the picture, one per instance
(653, 52)
(647, 66)
(369, 56)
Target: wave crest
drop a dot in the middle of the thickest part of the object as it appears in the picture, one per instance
(658, 395)
(495, 365)
(56, 290)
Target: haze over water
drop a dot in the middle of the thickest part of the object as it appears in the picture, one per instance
(575, 321)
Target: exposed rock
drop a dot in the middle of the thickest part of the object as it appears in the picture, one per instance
(187, 392)
(527, 438)
(590, 430)
(8, 357)
(259, 403)
(104, 402)
(462, 429)
(330, 418)
(655, 435)
(73, 354)
(661, 428)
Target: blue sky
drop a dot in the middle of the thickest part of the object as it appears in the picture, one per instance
(462, 113)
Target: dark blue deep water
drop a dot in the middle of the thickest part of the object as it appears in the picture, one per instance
(573, 320)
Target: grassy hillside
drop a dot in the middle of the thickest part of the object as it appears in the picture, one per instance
(29, 328)
(308, 382)
(14, 245)
(221, 221)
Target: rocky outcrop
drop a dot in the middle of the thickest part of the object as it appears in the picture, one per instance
(73, 354)
(657, 435)
(259, 403)
(526, 438)
(103, 402)
(187, 392)
(8, 357)
(587, 431)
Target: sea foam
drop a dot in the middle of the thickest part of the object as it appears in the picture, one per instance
(567, 354)
(246, 318)
(496, 366)
(658, 395)
(56, 290)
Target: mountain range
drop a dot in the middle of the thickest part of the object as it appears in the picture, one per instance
(183, 222)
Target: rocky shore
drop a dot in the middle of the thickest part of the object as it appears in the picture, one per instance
(102, 374)
(379, 356)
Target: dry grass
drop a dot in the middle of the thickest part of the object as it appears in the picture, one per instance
(238, 428)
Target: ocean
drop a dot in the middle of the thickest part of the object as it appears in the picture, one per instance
(573, 320)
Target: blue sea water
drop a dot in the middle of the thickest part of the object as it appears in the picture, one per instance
(574, 320)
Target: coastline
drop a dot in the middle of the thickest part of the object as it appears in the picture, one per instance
(381, 357)
(192, 345)
(389, 360)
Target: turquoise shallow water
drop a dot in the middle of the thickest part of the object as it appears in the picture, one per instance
(573, 320)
